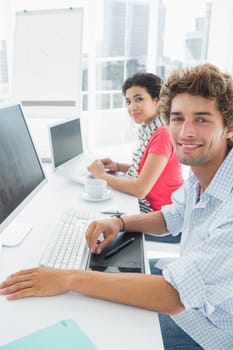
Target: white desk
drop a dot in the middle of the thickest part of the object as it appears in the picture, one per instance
(109, 325)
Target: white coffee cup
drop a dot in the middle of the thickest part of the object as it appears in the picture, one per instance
(95, 188)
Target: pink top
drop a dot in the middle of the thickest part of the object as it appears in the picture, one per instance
(171, 177)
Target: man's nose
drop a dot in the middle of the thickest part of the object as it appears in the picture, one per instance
(188, 129)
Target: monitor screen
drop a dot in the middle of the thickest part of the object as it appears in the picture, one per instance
(66, 141)
(21, 173)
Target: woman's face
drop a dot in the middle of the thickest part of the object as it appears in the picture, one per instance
(140, 105)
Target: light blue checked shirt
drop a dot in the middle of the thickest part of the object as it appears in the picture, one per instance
(203, 274)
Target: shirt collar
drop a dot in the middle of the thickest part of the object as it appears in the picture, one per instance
(222, 183)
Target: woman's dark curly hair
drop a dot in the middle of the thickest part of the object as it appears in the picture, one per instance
(150, 82)
(204, 80)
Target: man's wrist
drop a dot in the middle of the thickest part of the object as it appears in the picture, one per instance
(119, 217)
(118, 167)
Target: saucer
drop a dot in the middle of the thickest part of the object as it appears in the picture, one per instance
(104, 198)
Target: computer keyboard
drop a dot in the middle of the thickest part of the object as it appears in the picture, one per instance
(67, 248)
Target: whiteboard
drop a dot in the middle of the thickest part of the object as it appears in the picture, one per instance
(47, 55)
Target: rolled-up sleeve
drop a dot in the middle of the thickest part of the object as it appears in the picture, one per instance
(174, 213)
(185, 277)
(203, 278)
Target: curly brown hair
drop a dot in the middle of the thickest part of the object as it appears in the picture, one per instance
(204, 80)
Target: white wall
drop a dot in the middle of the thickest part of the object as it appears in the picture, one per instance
(220, 50)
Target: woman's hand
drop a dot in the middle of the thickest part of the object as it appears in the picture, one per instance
(35, 282)
(110, 164)
(97, 169)
(109, 228)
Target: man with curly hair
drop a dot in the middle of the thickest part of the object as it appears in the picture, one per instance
(194, 296)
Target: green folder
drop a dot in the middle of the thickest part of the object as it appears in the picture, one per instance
(64, 335)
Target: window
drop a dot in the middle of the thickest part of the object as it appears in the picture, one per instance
(124, 36)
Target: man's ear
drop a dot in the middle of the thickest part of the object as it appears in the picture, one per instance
(229, 133)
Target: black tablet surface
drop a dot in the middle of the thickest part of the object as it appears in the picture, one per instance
(124, 254)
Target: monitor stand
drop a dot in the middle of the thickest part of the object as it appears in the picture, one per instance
(14, 234)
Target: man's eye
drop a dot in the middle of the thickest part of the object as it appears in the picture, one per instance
(202, 120)
(138, 99)
(176, 119)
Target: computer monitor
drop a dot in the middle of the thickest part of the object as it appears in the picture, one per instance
(21, 173)
(65, 141)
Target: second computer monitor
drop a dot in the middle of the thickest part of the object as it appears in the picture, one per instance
(65, 141)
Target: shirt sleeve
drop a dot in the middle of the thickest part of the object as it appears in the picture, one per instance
(174, 213)
(204, 277)
(160, 143)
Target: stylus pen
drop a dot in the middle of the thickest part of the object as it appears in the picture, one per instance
(112, 212)
(114, 251)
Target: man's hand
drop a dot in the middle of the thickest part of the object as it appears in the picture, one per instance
(35, 282)
(109, 228)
